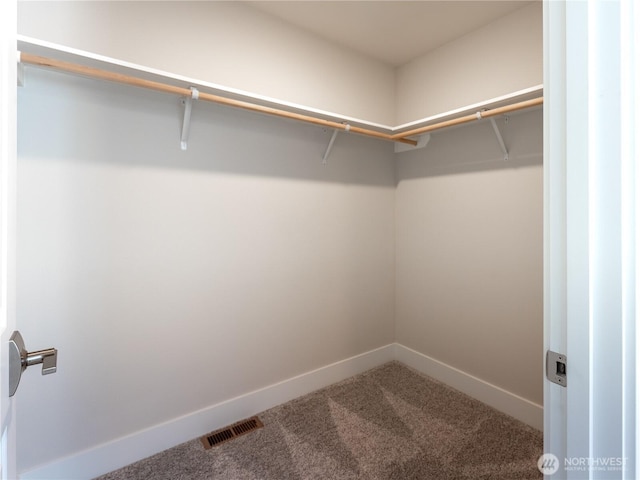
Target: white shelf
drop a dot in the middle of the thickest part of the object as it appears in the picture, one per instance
(68, 54)
(81, 57)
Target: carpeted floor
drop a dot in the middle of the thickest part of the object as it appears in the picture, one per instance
(388, 423)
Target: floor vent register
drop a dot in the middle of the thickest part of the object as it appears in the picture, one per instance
(232, 431)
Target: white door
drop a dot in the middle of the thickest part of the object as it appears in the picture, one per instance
(592, 259)
(8, 88)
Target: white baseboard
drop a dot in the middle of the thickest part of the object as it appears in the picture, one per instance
(123, 451)
(496, 397)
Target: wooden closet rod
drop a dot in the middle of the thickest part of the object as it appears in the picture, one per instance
(471, 117)
(163, 87)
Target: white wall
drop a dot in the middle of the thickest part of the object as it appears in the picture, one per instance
(170, 281)
(501, 58)
(227, 43)
(469, 253)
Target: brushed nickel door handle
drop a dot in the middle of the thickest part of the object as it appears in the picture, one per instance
(20, 359)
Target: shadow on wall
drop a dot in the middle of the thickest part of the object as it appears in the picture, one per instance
(475, 148)
(93, 121)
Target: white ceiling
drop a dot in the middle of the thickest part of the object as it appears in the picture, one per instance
(394, 32)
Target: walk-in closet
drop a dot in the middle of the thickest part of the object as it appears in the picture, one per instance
(224, 206)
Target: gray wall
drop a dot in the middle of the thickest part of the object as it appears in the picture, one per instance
(226, 43)
(270, 57)
(469, 252)
(170, 281)
(500, 58)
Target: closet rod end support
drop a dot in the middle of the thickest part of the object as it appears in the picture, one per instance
(423, 140)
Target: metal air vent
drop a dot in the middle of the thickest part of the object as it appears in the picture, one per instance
(229, 433)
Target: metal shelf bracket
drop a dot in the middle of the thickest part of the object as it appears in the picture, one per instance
(505, 152)
(327, 152)
(186, 122)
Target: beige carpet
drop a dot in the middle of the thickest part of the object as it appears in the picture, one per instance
(388, 423)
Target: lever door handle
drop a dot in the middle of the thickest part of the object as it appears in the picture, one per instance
(48, 358)
(20, 359)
